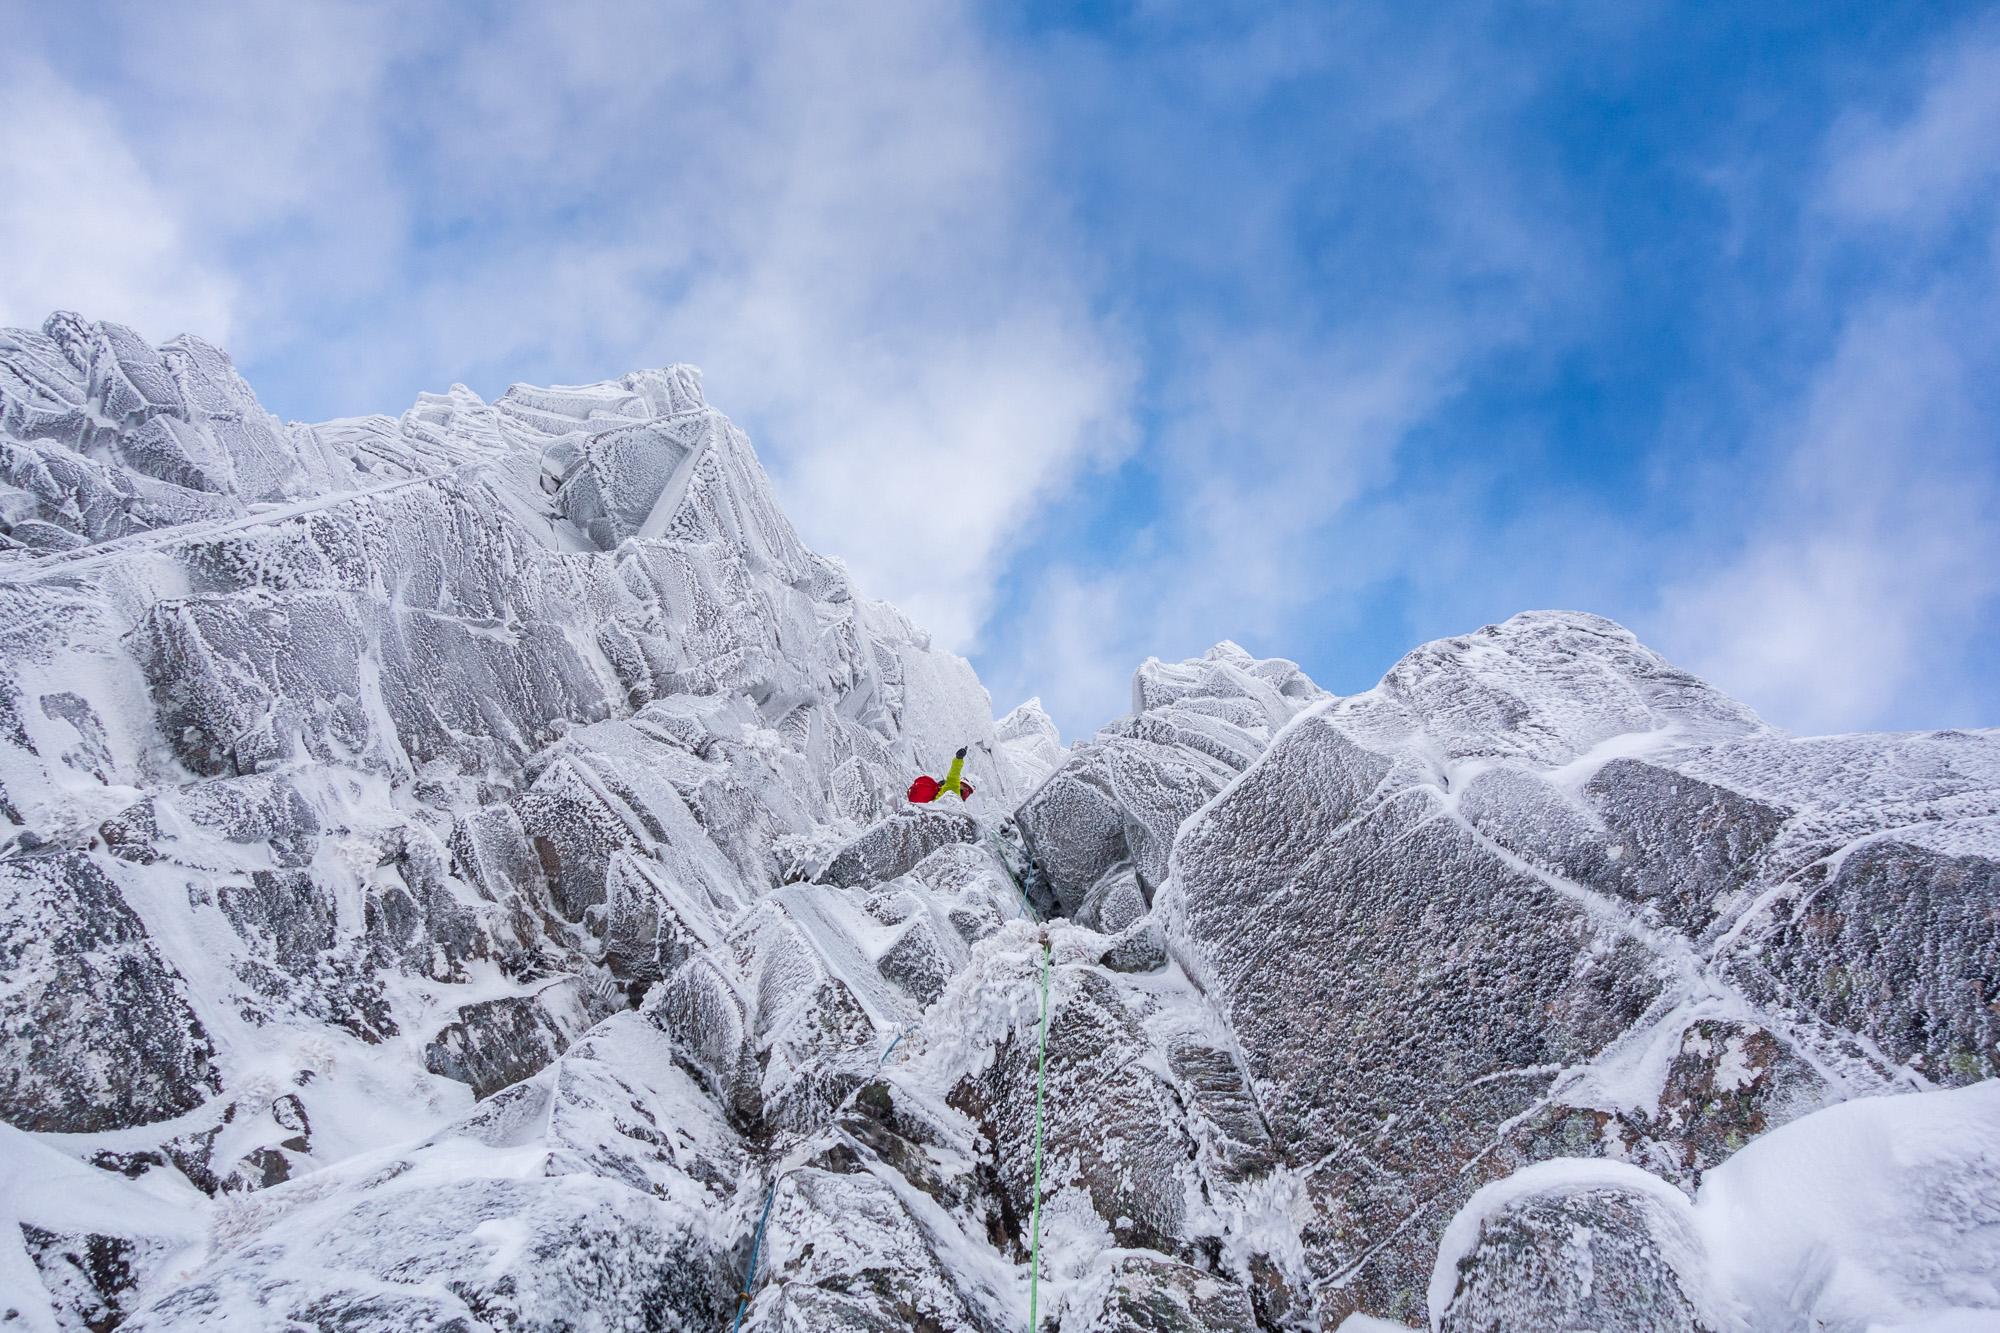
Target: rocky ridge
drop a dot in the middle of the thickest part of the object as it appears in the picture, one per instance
(455, 876)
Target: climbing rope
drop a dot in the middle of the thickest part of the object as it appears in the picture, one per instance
(1020, 885)
(1041, 1090)
(744, 1297)
(893, 1045)
(1041, 1084)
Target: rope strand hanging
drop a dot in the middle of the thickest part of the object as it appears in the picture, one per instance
(744, 1297)
(1041, 1084)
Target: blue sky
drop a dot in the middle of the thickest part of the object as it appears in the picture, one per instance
(1098, 331)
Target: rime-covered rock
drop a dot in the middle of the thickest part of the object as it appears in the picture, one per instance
(350, 772)
(1121, 796)
(1144, 1294)
(494, 1044)
(897, 846)
(1584, 1246)
(1029, 741)
(1152, 1141)
(849, 1251)
(1140, 947)
(92, 1279)
(97, 1026)
(455, 868)
(556, 1197)
(1874, 1213)
(1539, 894)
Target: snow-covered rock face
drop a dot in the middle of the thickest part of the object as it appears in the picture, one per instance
(351, 772)
(1879, 1213)
(455, 875)
(1123, 795)
(1541, 895)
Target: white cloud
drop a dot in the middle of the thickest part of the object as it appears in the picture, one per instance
(914, 346)
(83, 226)
(1877, 552)
(845, 215)
(835, 209)
(1924, 169)
(1280, 441)
(1271, 445)
(1879, 548)
(1310, 346)
(1084, 648)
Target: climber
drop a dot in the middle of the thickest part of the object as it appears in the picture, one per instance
(927, 788)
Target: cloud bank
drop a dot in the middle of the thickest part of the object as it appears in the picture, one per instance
(832, 209)
(1872, 566)
(1089, 333)
(83, 226)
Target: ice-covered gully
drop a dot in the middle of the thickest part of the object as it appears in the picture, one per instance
(456, 869)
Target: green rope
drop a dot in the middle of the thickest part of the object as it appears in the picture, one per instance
(1041, 1083)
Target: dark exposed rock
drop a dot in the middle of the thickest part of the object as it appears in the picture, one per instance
(290, 1113)
(261, 1169)
(497, 1043)
(131, 1165)
(1903, 944)
(1216, 1090)
(97, 1028)
(1727, 1083)
(129, 835)
(874, 1135)
(192, 1151)
(92, 1280)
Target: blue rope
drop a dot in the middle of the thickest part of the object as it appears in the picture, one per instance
(892, 1046)
(743, 1298)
